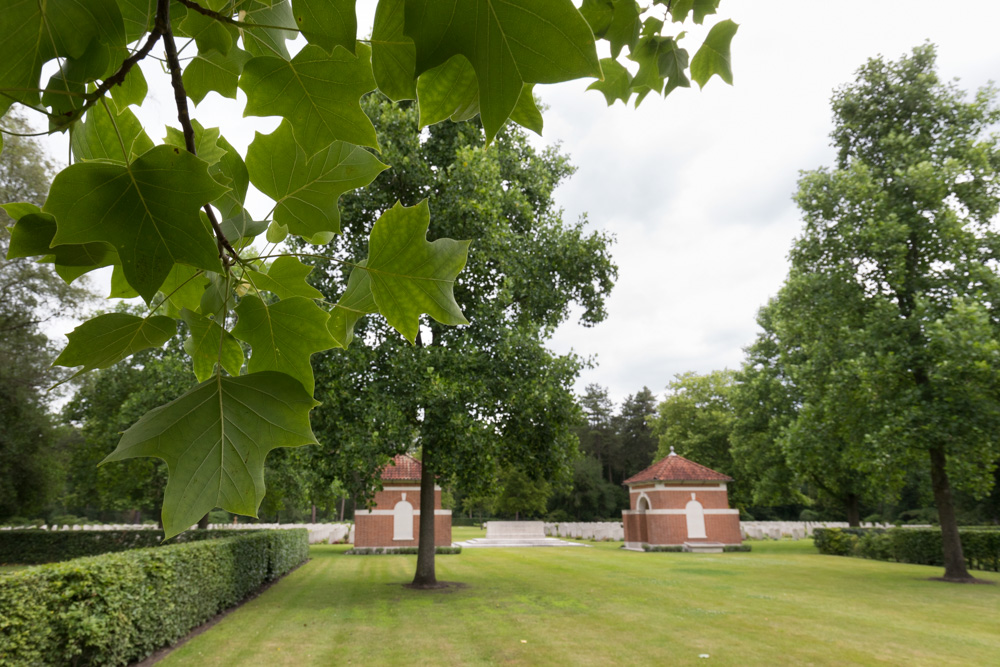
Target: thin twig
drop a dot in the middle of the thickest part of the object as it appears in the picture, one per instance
(190, 4)
(180, 97)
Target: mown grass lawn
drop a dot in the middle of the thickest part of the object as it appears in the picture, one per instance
(782, 604)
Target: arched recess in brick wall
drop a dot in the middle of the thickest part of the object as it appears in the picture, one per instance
(695, 513)
(641, 506)
(402, 520)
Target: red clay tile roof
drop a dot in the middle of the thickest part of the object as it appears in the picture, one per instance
(676, 468)
(403, 468)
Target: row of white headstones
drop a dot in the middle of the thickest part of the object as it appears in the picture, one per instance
(601, 531)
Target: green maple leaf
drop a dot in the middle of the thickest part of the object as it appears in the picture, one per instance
(147, 210)
(409, 275)
(206, 142)
(268, 41)
(394, 55)
(183, 288)
(283, 335)
(35, 32)
(214, 440)
(213, 71)
(132, 90)
(624, 27)
(617, 84)
(138, 17)
(97, 139)
(285, 278)
(32, 236)
(327, 23)
(356, 302)
(307, 188)
(317, 92)
(210, 345)
(231, 172)
(508, 42)
(713, 57)
(679, 9)
(208, 33)
(598, 14)
(449, 90)
(107, 339)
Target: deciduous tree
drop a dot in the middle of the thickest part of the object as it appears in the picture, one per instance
(171, 217)
(893, 297)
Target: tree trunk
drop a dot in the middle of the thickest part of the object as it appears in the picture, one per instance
(314, 514)
(203, 523)
(425, 576)
(951, 542)
(343, 501)
(853, 510)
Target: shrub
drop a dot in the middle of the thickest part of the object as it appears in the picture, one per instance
(834, 541)
(31, 547)
(118, 608)
(737, 547)
(673, 548)
(874, 544)
(919, 546)
(809, 515)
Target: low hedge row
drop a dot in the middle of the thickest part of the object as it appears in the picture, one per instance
(120, 607)
(33, 547)
(678, 548)
(920, 546)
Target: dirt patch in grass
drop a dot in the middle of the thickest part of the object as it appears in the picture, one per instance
(971, 580)
(439, 587)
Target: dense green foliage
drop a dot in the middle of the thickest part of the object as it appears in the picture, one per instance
(885, 337)
(31, 456)
(118, 608)
(33, 547)
(171, 217)
(920, 546)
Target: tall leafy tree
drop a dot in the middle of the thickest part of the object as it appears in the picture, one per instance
(30, 295)
(170, 217)
(599, 437)
(638, 442)
(485, 400)
(696, 418)
(800, 422)
(893, 294)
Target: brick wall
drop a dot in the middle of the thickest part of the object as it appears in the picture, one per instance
(375, 530)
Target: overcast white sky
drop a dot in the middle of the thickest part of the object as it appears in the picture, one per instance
(697, 187)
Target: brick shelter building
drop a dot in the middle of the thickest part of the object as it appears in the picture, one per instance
(677, 502)
(395, 520)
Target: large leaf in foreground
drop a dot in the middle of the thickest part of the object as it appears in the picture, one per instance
(283, 335)
(147, 210)
(411, 276)
(215, 438)
(107, 339)
(317, 92)
(356, 302)
(307, 188)
(509, 43)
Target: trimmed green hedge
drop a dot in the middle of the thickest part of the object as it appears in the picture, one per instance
(118, 608)
(920, 546)
(33, 547)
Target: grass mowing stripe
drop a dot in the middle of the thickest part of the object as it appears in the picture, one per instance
(780, 604)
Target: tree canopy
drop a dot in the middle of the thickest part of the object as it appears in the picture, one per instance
(888, 325)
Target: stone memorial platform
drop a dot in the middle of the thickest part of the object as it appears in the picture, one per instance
(516, 534)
